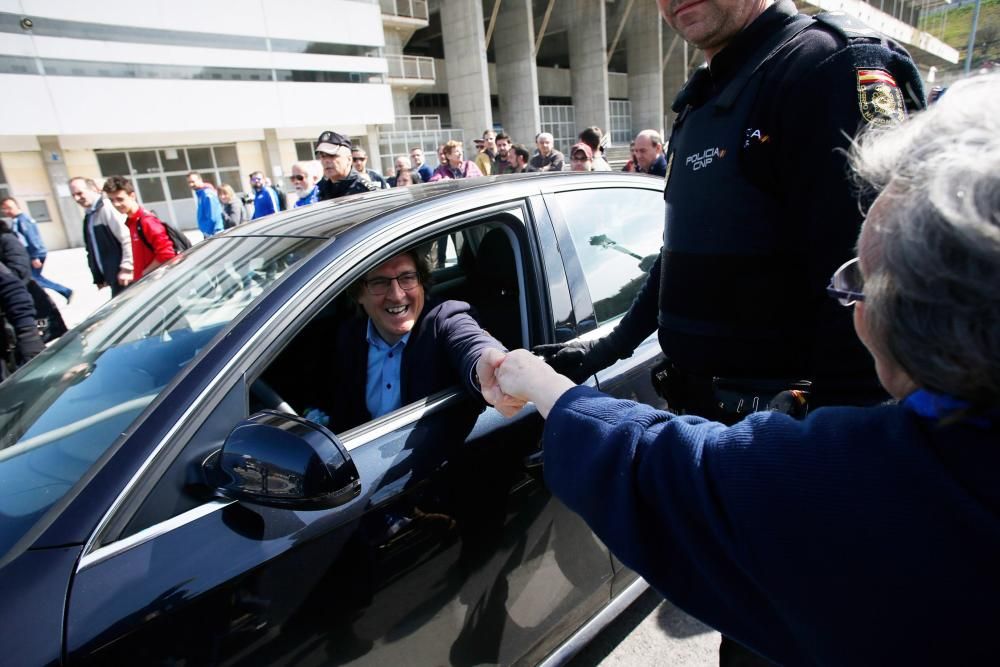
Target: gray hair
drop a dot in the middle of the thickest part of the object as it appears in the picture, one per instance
(934, 298)
(312, 167)
(654, 137)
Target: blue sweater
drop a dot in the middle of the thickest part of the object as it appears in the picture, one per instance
(856, 536)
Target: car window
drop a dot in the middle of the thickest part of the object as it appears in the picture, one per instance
(475, 264)
(60, 413)
(298, 378)
(617, 234)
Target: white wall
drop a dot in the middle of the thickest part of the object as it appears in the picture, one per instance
(92, 105)
(336, 21)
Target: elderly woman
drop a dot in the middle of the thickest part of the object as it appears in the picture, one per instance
(857, 535)
(455, 165)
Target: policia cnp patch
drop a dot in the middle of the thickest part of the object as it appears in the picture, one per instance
(879, 98)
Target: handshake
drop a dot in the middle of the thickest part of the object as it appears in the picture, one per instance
(511, 380)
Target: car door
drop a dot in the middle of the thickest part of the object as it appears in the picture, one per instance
(610, 237)
(454, 551)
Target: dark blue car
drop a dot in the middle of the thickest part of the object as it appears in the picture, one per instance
(169, 496)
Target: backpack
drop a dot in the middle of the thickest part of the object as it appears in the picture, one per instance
(179, 241)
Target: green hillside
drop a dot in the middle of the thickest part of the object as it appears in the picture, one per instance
(958, 24)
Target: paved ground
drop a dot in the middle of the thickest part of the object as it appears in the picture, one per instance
(651, 632)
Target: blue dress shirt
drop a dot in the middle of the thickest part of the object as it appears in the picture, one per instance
(382, 391)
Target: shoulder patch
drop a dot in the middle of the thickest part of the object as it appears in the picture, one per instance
(847, 25)
(879, 98)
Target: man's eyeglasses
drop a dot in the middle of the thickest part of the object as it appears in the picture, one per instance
(847, 283)
(379, 286)
(256, 180)
(358, 159)
(297, 177)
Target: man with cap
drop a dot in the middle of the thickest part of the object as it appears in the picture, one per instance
(581, 157)
(340, 179)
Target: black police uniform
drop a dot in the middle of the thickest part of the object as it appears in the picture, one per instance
(760, 209)
(351, 185)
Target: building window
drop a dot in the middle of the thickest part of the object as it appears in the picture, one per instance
(39, 211)
(160, 175)
(621, 122)
(560, 122)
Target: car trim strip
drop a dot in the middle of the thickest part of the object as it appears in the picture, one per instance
(147, 534)
(598, 622)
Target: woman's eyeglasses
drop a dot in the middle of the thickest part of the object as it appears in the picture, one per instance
(847, 284)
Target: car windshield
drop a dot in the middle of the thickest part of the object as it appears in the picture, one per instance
(60, 413)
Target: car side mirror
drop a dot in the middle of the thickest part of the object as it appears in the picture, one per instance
(281, 460)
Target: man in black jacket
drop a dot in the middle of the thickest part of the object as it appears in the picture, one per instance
(107, 239)
(340, 179)
(13, 254)
(19, 339)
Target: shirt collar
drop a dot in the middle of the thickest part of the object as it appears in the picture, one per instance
(97, 202)
(734, 55)
(375, 339)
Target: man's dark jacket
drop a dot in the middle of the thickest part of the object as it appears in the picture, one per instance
(13, 254)
(351, 185)
(442, 351)
(109, 248)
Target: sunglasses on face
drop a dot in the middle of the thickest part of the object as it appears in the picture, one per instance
(379, 286)
(297, 177)
(847, 284)
(256, 180)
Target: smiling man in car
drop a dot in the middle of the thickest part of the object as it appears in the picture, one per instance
(405, 348)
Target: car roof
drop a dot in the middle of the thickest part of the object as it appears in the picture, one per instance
(331, 218)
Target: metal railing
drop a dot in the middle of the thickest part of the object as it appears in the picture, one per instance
(410, 67)
(414, 9)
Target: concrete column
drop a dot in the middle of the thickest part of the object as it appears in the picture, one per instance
(69, 213)
(272, 151)
(516, 73)
(645, 74)
(588, 60)
(674, 72)
(468, 76)
(400, 95)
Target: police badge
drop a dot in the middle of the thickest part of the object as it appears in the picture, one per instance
(879, 98)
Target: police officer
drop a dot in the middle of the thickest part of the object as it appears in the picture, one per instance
(340, 179)
(759, 210)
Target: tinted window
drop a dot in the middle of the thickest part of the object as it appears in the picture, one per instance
(617, 235)
(61, 412)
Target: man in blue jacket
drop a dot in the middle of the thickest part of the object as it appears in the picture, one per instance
(209, 208)
(27, 230)
(265, 199)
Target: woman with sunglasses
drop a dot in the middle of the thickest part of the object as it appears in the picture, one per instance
(857, 535)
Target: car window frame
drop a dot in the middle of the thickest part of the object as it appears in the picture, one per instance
(249, 362)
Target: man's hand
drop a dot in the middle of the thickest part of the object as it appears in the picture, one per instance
(486, 371)
(101, 285)
(36, 263)
(528, 378)
(124, 278)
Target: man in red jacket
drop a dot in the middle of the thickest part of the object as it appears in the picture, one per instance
(150, 244)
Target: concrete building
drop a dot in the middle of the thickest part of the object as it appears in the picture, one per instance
(154, 89)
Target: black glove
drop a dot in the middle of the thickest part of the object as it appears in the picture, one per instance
(29, 343)
(579, 359)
